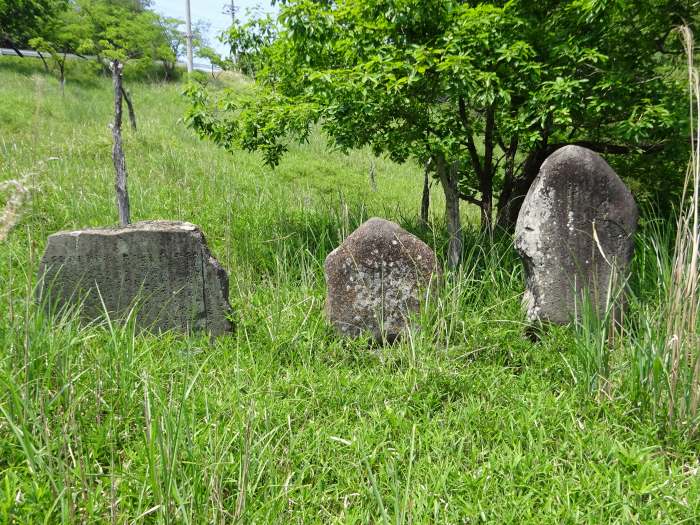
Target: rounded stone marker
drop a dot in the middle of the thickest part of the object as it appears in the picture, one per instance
(164, 267)
(577, 222)
(376, 279)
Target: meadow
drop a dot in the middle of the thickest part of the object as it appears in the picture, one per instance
(463, 421)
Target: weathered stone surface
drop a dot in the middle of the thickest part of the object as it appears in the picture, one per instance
(576, 198)
(376, 278)
(164, 266)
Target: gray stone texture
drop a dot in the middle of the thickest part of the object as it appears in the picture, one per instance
(164, 266)
(376, 279)
(575, 194)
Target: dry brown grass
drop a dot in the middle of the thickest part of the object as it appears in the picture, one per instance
(19, 194)
(683, 343)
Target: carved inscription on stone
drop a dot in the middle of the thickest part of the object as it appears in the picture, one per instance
(575, 233)
(377, 279)
(162, 269)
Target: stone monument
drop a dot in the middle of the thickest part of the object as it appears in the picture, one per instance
(164, 269)
(377, 278)
(575, 232)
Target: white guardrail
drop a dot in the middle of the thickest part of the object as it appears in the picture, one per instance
(33, 54)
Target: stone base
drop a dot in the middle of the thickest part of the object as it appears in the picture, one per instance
(163, 268)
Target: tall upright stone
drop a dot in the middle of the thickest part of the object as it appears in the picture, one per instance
(377, 278)
(576, 224)
(164, 268)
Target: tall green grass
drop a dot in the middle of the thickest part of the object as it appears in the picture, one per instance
(465, 420)
(655, 363)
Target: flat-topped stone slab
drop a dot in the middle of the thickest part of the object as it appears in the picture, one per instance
(576, 224)
(377, 278)
(164, 267)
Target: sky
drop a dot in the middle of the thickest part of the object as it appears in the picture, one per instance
(211, 11)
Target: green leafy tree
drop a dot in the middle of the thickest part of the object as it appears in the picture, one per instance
(172, 44)
(22, 20)
(123, 30)
(67, 33)
(249, 42)
(485, 90)
(173, 41)
(208, 52)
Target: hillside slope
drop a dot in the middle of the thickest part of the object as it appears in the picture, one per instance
(282, 422)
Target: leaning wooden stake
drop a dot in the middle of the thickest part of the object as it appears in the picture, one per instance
(117, 151)
(130, 107)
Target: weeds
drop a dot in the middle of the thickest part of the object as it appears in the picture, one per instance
(20, 192)
(281, 421)
(657, 361)
(682, 346)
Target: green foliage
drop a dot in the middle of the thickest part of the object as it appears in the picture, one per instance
(69, 32)
(496, 86)
(21, 20)
(249, 42)
(282, 422)
(122, 33)
(171, 43)
(125, 30)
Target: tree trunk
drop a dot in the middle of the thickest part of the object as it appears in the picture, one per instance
(16, 49)
(448, 180)
(169, 70)
(46, 65)
(513, 194)
(117, 151)
(425, 200)
(486, 205)
(483, 170)
(509, 208)
(508, 178)
(486, 175)
(62, 76)
(130, 107)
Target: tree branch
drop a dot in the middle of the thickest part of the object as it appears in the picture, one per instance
(488, 142)
(130, 106)
(470, 199)
(471, 146)
(606, 147)
(14, 48)
(501, 144)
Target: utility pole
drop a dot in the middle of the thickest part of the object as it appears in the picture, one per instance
(231, 10)
(188, 20)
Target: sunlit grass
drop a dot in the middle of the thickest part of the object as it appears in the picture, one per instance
(465, 420)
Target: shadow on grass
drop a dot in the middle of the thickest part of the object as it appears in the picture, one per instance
(289, 236)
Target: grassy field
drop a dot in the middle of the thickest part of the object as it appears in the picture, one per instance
(464, 421)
